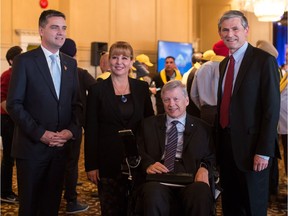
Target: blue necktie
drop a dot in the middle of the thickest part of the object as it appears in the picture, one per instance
(55, 73)
(171, 147)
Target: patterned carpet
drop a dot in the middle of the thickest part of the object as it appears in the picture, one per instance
(276, 208)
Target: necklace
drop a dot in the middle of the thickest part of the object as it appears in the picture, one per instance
(123, 97)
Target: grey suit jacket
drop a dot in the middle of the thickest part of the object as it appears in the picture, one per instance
(33, 104)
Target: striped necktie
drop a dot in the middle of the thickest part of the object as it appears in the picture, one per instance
(171, 147)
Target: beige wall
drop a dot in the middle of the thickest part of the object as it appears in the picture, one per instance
(142, 23)
(208, 17)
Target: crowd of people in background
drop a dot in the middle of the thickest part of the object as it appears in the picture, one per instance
(149, 141)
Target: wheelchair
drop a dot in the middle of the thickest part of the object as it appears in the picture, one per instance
(131, 170)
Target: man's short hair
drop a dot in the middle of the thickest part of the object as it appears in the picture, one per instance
(172, 84)
(69, 47)
(12, 53)
(196, 57)
(233, 14)
(169, 57)
(45, 15)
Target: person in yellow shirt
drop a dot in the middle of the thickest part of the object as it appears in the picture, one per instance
(170, 72)
(104, 66)
(140, 68)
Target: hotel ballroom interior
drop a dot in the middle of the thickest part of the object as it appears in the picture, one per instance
(142, 23)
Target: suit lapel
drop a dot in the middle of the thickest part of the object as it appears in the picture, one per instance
(221, 77)
(161, 133)
(190, 129)
(247, 59)
(112, 99)
(64, 69)
(135, 97)
(43, 67)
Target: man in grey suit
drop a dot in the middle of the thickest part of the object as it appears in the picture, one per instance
(248, 108)
(194, 156)
(45, 117)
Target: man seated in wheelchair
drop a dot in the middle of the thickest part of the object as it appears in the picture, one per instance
(177, 154)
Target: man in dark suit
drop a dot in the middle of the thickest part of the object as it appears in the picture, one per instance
(194, 155)
(45, 117)
(86, 80)
(248, 117)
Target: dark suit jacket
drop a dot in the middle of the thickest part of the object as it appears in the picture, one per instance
(254, 109)
(159, 84)
(197, 145)
(33, 104)
(104, 148)
(86, 80)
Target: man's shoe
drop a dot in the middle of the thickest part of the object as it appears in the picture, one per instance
(75, 207)
(11, 198)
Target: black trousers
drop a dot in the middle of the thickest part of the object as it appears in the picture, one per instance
(158, 199)
(113, 195)
(7, 128)
(40, 184)
(208, 114)
(274, 177)
(244, 193)
(71, 171)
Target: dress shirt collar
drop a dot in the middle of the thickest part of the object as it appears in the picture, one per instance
(47, 54)
(181, 119)
(238, 55)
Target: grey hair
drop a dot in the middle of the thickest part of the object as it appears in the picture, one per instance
(172, 84)
(232, 14)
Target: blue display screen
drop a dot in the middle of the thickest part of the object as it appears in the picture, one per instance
(182, 52)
